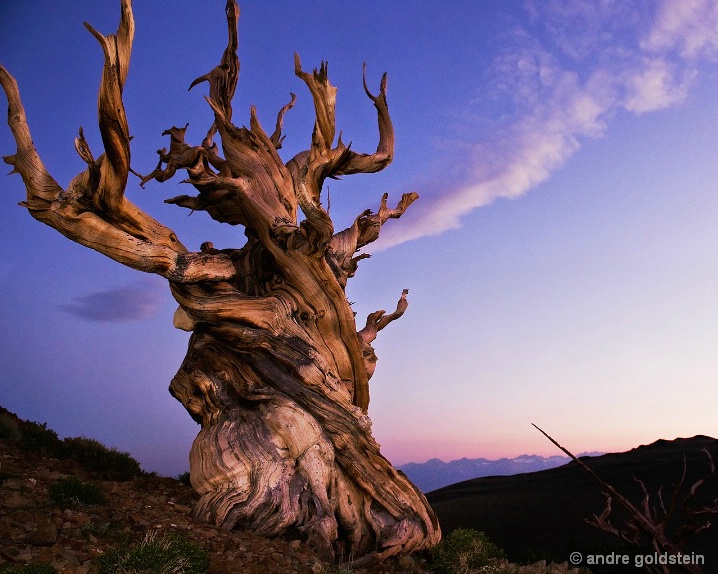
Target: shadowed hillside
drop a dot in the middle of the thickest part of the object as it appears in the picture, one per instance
(543, 513)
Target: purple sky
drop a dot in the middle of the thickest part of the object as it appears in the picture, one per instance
(562, 262)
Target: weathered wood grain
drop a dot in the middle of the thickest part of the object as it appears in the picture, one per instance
(276, 371)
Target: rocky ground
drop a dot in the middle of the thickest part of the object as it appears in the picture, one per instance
(34, 530)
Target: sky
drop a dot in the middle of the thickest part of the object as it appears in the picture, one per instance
(562, 261)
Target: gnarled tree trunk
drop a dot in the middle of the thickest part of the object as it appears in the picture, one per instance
(276, 372)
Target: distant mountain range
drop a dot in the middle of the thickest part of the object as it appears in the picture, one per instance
(436, 473)
(543, 514)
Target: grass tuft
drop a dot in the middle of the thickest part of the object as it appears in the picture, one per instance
(156, 554)
(70, 491)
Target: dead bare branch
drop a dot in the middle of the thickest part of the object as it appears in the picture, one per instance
(647, 521)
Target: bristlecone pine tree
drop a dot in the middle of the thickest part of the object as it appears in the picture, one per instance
(276, 372)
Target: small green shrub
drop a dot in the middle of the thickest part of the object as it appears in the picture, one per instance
(28, 569)
(103, 462)
(94, 528)
(156, 554)
(37, 437)
(463, 551)
(184, 478)
(70, 491)
(9, 429)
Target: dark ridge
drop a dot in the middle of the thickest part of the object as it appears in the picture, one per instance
(542, 514)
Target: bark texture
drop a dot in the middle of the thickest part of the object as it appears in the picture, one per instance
(276, 372)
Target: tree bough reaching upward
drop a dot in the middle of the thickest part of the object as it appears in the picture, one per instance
(276, 372)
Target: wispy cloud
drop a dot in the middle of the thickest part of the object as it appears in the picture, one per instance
(129, 303)
(561, 77)
(688, 27)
